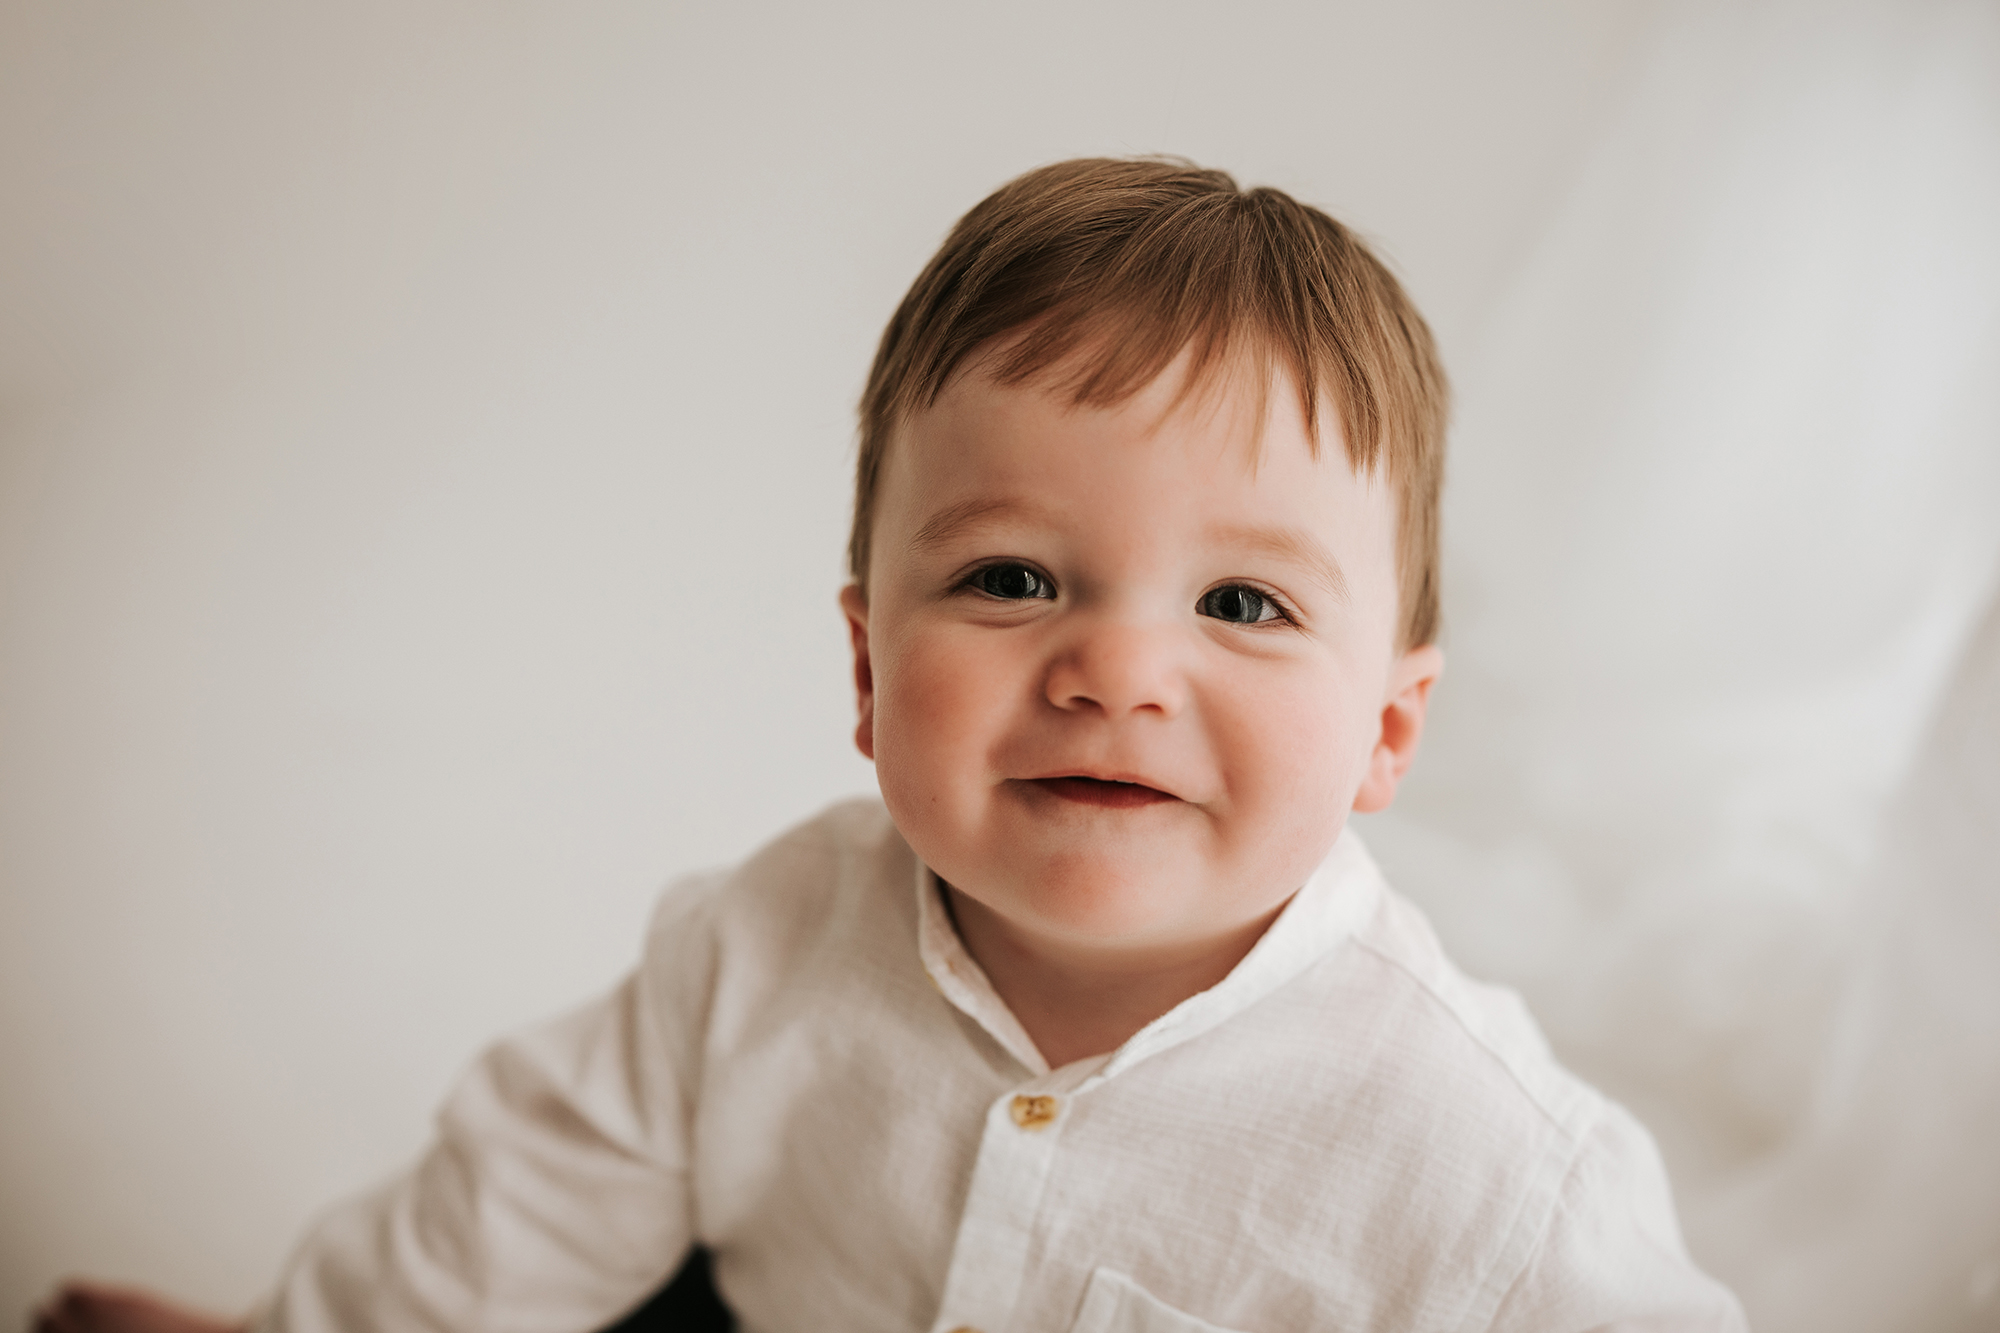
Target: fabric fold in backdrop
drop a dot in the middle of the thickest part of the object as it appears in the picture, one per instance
(1723, 535)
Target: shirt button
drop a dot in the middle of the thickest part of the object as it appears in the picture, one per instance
(1033, 1112)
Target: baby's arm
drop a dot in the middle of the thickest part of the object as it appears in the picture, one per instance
(89, 1307)
(556, 1195)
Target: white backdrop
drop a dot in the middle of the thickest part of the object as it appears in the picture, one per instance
(424, 439)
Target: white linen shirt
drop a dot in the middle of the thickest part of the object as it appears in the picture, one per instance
(809, 1074)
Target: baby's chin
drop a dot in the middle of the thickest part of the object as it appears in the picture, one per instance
(1098, 898)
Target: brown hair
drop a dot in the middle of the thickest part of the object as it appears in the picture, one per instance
(1121, 264)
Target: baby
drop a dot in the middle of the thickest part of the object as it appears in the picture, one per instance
(1101, 1020)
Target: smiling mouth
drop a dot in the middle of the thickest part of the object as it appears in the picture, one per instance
(1100, 791)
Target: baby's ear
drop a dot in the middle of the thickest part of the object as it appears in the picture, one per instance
(854, 605)
(1409, 695)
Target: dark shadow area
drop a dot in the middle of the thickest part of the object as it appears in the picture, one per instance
(687, 1304)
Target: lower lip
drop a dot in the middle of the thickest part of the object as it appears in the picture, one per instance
(1115, 795)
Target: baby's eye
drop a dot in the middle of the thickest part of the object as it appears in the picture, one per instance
(1238, 605)
(1012, 583)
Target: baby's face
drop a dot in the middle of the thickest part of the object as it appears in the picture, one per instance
(1123, 673)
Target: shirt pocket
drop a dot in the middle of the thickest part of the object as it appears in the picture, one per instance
(1114, 1303)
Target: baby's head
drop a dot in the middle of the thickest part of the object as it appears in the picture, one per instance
(1144, 551)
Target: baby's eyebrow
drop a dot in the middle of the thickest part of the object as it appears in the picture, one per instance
(950, 522)
(1293, 546)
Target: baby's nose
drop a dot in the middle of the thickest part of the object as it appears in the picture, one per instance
(1118, 669)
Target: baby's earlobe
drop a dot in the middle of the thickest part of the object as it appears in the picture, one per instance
(855, 606)
(1402, 721)
(864, 732)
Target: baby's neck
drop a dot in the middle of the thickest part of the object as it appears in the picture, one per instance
(1075, 1002)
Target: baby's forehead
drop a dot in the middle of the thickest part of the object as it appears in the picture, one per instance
(1235, 398)
(994, 451)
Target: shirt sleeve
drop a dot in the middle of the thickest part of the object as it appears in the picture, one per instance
(1612, 1257)
(556, 1193)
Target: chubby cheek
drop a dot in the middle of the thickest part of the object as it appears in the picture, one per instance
(1295, 761)
(940, 705)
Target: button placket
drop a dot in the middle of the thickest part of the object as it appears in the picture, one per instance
(990, 1255)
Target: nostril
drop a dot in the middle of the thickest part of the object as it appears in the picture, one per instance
(1119, 669)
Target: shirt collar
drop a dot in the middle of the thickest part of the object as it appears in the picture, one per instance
(1333, 903)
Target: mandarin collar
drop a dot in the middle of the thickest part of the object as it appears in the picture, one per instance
(1327, 909)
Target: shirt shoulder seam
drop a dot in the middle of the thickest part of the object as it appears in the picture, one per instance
(1575, 1128)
